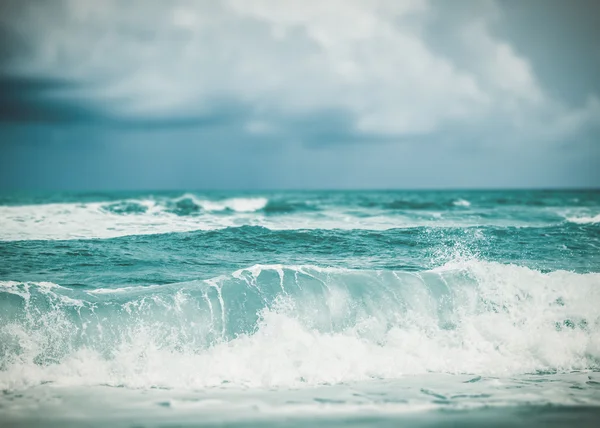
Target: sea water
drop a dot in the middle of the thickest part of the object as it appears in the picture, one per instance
(373, 308)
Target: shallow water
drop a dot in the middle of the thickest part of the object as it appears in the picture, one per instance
(350, 308)
(456, 400)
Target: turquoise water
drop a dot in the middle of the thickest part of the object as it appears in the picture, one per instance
(286, 308)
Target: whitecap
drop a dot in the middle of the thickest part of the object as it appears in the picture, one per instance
(461, 203)
(584, 220)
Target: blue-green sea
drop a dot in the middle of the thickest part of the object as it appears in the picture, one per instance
(297, 308)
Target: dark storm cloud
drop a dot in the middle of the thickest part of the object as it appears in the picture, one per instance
(24, 99)
(47, 101)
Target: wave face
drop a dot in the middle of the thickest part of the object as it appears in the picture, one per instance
(288, 325)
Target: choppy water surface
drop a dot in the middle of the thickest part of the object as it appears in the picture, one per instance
(349, 308)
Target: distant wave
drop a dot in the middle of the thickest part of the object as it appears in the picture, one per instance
(240, 205)
(584, 220)
(283, 325)
(186, 204)
(461, 203)
(289, 207)
(128, 207)
(189, 212)
(405, 204)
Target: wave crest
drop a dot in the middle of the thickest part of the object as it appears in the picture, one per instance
(584, 220)
(292, 325)
(240, 205)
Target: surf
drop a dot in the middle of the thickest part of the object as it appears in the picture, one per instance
(160, 214)
(286, 325)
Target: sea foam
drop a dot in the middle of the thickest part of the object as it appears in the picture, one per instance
(279, 325)
(187, 213)
(584, 219)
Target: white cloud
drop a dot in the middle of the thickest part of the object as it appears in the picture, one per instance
(365, 58)
(500, 68)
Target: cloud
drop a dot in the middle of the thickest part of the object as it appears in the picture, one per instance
(280, 64)
(39, 100)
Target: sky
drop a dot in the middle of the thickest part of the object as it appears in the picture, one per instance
(282, 94)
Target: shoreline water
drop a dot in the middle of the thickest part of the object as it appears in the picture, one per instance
(373, 403)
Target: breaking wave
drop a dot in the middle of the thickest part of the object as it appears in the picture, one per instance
(279, 325)
(585, 219)
(188, 212)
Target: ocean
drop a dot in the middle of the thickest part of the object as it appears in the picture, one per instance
(297, 308)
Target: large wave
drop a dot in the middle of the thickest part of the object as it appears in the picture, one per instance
(283, 325)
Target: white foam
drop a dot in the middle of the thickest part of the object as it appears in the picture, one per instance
(90, 220)
(461, 203)
(121, 290)
(240, 205)
(506, 320)
(584, 220)
(97, 221)
(20, 288)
